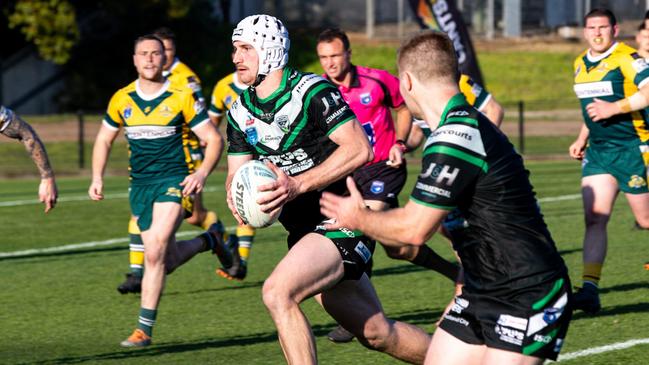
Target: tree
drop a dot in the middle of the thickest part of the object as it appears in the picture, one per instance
(49, 24)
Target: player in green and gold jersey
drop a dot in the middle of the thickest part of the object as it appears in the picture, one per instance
(225, 92)
(155, 114)
(180, 74)
(612, 84)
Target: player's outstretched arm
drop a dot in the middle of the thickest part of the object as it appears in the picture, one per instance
(100, 152)
(412, 224)
(22, 131)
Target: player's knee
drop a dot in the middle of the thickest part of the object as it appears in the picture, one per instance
(195, 219)
(376, 334)
(596, 219)
(275, 298)
(154, 255)
(643, 223)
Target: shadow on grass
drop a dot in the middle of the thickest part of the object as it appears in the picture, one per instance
(614, 311)
(415, 317)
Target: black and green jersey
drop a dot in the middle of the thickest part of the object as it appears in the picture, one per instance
(469, 164)
(291, 127)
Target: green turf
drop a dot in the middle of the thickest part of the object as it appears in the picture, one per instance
(62, 308)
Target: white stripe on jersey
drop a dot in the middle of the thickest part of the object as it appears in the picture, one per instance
(462, 135)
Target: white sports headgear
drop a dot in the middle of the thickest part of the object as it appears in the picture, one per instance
(268, 37)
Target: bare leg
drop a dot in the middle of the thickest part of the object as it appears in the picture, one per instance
(447, 349)
(599, 193)
(639, 204)
(355, 305)
(166, 219)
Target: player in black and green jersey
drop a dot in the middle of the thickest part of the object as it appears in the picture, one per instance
(516, 293)
(300, 124)
(612, 84)
(155, 113)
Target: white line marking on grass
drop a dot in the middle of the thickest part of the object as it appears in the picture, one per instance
(559, 198)
(602, 349)
(76, 246)
(75, 198)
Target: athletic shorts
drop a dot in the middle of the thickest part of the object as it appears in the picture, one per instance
(533, 321)
(628, 166)
(381, 182)
(356, 250)
(143, 196)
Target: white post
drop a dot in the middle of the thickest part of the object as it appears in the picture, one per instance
(512, 17)
(490, 19)
(369, 18)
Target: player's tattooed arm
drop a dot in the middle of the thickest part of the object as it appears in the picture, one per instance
(20, 130)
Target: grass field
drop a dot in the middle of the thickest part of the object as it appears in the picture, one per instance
(62, 307)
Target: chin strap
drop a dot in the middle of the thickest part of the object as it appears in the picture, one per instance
(258, 80)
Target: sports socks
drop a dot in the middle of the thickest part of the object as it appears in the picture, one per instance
(136, 249)
(429, 259)
(592, 273)
(246, 235)
(146, 320)
(210, 218)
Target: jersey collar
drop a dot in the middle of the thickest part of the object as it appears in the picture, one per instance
(355, 82)
(238, 84)
(456, 101)
(149, 97)
(594, 59)
(166, 73)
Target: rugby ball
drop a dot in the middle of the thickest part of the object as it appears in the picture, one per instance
(244, 193)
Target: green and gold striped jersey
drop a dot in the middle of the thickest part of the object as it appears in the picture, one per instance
(225, 92)
(155, 126)
(616, 74)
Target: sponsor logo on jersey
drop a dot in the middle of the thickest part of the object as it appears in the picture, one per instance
(459, 134)
(476, 89)
(363, 251)
(270, 139)
(365, 98)
(434, 190)
(550, 315)
(250, 120)
(251, 135)
(558, 345)
(228, 100)
(165, 111)
(128, 111)
(458, 113)
(336, 114)
(330, 101)
(637, 182)
(542, 339)
(377, 187)
(149, 131)
(441, 173)
(603, 67)
(593, 89)
(282, 122)
(147, 110)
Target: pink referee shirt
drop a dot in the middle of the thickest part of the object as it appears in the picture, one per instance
(371, 94)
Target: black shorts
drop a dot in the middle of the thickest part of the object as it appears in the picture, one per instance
(302, 216)
(381, 182)
(533, 321)
(356, 250)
